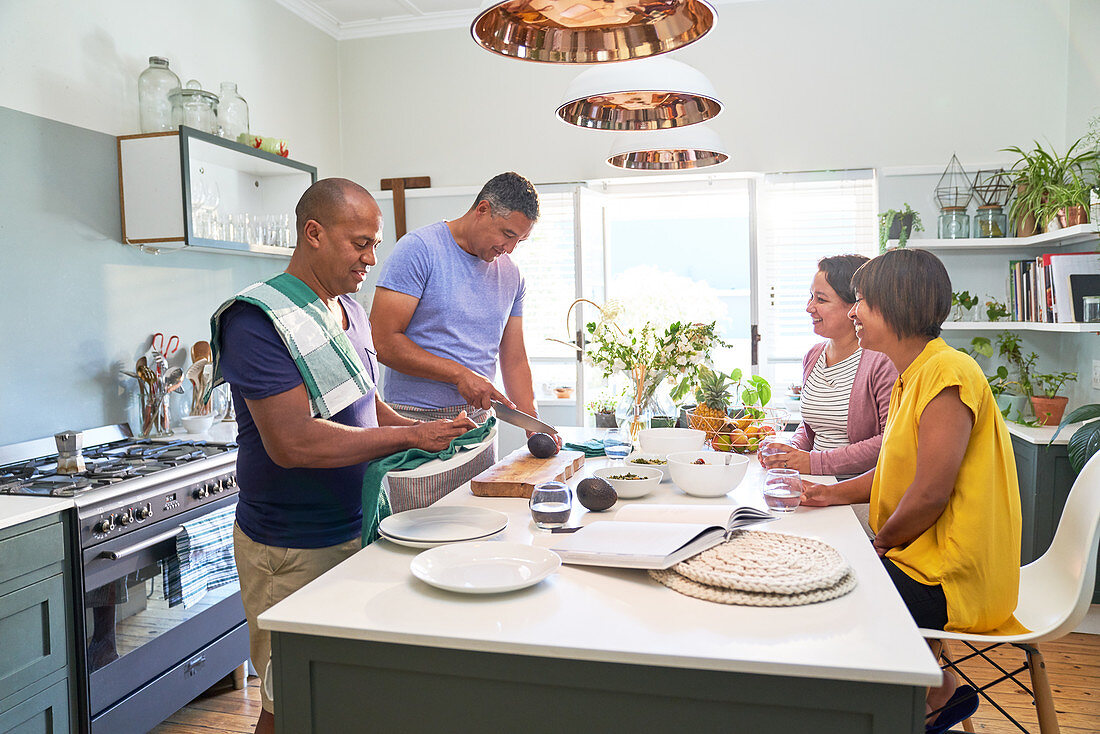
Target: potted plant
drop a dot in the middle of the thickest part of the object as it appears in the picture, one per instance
(962, 303)
(897, 225)
(603, 410)
(995, 310)
(1049, 405)
(1068, 203)
(1034, 175)
(1085, 441)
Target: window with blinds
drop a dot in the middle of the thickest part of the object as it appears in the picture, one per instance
(804, 217)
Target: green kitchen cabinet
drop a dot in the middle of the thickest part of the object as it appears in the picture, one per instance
(1045, 478)
(37, 690)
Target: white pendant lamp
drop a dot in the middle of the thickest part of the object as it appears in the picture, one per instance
(589, 31)
(678, 149)
(650, 94)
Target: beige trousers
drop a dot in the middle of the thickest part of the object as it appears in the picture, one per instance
(270, 574)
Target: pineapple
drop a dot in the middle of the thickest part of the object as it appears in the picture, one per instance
(713, 395)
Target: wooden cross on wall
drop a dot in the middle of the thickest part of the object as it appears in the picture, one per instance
(398, 186)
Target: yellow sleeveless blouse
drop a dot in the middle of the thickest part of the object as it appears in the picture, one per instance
(973, 548)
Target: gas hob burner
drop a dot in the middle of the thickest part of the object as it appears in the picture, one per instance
(52, 486)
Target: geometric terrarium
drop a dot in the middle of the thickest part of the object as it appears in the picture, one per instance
(993, 189)
(953, 193)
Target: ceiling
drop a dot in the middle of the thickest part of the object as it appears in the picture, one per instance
(346, 19)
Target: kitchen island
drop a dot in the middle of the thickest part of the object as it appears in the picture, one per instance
(369, 647)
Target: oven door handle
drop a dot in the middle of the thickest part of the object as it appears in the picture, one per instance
(137, 548)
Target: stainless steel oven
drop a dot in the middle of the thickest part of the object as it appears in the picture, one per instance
(143, 652)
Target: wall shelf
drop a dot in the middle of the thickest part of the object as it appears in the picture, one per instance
(1019, 326)
(1068, 237)
(160, 174)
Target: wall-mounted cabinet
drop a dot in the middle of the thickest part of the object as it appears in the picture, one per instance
(189, 189)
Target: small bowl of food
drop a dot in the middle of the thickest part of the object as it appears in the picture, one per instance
(665, 441)
(657, 461)
(630, 482)
(707, 473)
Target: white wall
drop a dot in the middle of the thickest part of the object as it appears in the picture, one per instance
(807, 85)
(78, 62)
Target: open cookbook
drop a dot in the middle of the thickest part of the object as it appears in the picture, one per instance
(655, 536)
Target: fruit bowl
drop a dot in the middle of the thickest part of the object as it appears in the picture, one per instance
(742, 431)
(629, 489)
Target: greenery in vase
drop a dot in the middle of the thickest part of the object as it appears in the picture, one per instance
(1038, 174)
(995, 310)
(1009, 347)
(1050, 385)
(603, 404)
(963, 299)
(886, 220)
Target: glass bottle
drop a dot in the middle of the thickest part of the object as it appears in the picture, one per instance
(154, 85)
(194, 107)
(954, 224)
(232, 112)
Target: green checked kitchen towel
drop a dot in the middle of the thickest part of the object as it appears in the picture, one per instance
(592, 447)
(331, 370)
(376, 505)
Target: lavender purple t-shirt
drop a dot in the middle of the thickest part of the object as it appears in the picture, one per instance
(291, 508)
(464, 305)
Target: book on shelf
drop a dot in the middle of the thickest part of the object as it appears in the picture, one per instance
(655, 536)
(1061, 267)
(1041, 289)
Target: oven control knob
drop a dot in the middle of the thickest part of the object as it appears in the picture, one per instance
(200, 492)
(143, 513)
(230, 482)
(125, 518)
(103, 526)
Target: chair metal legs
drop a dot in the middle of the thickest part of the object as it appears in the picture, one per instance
(1034, 664)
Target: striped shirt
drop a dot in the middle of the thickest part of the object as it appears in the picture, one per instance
(824, 401)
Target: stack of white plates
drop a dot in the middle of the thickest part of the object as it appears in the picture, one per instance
(432, 526)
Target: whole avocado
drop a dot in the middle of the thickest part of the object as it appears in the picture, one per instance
(596, 494)
(542, 445)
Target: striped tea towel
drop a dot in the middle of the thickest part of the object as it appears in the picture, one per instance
(376, 505)
(203, 560)
(592, 447)
(332, 371)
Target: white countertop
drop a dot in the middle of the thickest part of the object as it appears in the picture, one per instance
(14, 510)
(1042, 434)
(623, 616)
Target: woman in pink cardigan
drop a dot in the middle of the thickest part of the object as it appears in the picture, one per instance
(845, 390)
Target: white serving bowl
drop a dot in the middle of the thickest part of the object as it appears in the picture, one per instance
(197, 423)
(665, 441)
(663, 466)
(720, 474)
(631, 489)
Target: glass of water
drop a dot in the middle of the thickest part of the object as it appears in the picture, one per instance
(782, 489)
(617, 443)
(770, 446)
(550, 504)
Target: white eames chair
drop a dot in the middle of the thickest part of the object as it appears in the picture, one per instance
(1055, 591)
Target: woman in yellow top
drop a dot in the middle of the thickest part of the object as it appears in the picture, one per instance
(945, 503)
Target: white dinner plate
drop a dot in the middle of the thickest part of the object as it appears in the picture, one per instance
(488, 567)
(433, 544)
(443, 524)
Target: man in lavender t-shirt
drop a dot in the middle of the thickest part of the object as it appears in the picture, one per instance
(448, 307)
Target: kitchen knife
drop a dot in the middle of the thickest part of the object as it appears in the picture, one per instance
(521, 419)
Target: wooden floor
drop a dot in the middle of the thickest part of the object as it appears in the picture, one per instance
(1073, 664)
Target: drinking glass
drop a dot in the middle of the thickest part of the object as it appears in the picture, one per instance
(551, 503)
(770, 446)
(782, 489)
(617, 443)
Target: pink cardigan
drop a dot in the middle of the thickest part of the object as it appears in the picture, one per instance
(867, 408)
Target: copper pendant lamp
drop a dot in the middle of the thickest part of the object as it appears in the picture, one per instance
(651, 94)
(678, 149)
(589, 31)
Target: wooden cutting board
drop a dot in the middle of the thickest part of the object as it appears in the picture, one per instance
(517, 473)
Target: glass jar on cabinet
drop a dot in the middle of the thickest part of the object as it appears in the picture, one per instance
(954, 224)
(154, 86)
(990, 221)
(232, 112)
(195, 107)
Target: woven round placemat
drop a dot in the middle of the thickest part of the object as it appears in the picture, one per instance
(686, 586)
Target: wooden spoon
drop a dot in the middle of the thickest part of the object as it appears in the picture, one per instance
(201, 350)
